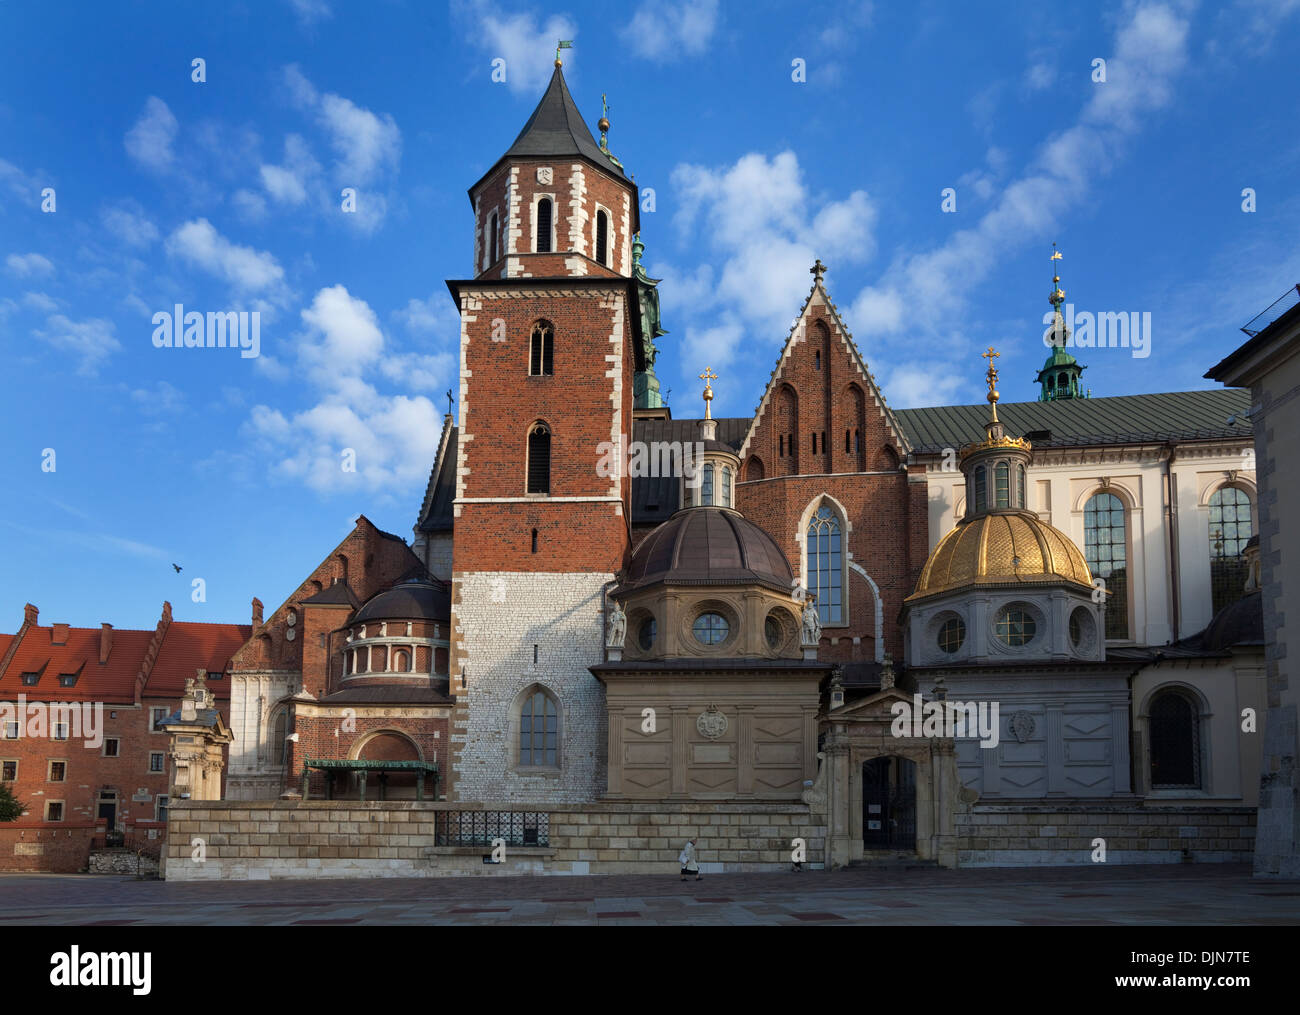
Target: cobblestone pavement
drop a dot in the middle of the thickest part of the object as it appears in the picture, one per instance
(1147, 895)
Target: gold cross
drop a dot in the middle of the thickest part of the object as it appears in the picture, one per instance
(708, 375)
(990, 355)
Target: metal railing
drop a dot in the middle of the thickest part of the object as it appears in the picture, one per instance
(481, 828)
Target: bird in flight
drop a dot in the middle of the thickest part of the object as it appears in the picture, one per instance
(178, 568)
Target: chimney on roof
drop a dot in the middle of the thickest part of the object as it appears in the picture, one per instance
(59, 634)
(105, 642)
(257, 612)
(30, 613)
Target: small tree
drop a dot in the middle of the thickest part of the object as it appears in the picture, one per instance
(11, 808)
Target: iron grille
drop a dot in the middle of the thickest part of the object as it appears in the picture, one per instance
(481, 828)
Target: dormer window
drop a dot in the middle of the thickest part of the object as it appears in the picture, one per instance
(29, 679)
(543, 244)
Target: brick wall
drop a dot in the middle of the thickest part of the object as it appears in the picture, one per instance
(48, 847)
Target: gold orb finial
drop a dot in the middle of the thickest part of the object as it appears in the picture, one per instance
(708, 376)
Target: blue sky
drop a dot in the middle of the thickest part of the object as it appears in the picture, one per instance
(225, 195)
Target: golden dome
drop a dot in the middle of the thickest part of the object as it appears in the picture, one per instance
(1013, 548)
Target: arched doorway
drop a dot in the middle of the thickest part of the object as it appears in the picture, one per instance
(889, 804)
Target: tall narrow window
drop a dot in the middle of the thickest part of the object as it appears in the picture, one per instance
(1020, 486)
(539, 731)
(825, 565)
(279, 732)
(1105, 548)
(539, 459)
(706, 490)
(848, 441)
(1230, 526)
(492, 240)
(817, 360)
(541, 351)
(1175, 741)
(726, 486)
(1003, 480)
(814, 440)
(781, 441)
(857, 442)
(981, 492)
(543, 245)
(534, 540)
(602, 237)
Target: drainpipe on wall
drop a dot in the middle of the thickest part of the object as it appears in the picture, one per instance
(1171, 531)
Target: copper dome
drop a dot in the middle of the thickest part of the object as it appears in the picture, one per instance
(414, 599)
(708, 546)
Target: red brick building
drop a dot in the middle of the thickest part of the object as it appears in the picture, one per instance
(77, 743)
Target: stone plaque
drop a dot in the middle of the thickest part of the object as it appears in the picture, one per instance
(711, 723)
(544, 175)
(28, 849)
(712, 754)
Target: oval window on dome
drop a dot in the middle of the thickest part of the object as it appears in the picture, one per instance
(645, 634)
(711, 628)
(952, 635)
(1081, 628)
(1015, 625)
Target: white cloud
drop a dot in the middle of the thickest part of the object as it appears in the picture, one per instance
(161, 399)
(250, 205)
(847, 23)
(367, 144)
(667, 31)
(40, 301)
(27, 265)
(394, 437)
(247, 270)
(309, 12)
(527, 48)
(283, 185)
(129, 224)
(149, 142)
(90, 342)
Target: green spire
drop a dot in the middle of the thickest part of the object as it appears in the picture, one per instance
(645, 385)
(1059, 377)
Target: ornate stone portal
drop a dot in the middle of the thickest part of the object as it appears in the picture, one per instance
(198, 738)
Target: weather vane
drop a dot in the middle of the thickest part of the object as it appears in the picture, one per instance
(559, 45)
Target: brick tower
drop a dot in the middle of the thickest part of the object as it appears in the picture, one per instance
(550, 344)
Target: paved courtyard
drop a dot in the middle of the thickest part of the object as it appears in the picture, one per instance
(1155, 895)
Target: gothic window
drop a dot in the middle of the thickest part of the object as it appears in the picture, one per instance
(1105, 548)
(755, 468)
(279, 733)
(1002, 480)
(826, 565)
(539, 459)
(1230, 525)
(726, 486)
(1175, 741)
(539, 731)
(492, 240)
(981, 492)
(602, 236)
(706, 490)
(541, 350)
(543, 245)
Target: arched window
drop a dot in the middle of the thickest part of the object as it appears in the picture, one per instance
(1020, 486)
(539, 731)
(539, 459)
(706, 490)
(541, 349)
(1230, 525)
(826, 565)
(755, 468)
(726, 486)
(1175, 731)
(1105, 547)
(602, 237)
(981, 490)
(279, 737)
(492, 240)
(543, 244)
(1002, 489)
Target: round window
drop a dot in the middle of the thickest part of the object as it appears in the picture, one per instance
(952, 634)
(1015, 625)
(645, 634)
(1080, 628)
(711, 628)
(774, 631)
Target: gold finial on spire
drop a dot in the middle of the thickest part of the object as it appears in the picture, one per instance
(817, 270)
(559, 45)
(992, 376)
(708, 376)
(1058, 296)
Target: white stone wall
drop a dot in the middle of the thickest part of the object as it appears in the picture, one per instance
(436, 552)
(250, 773)
(497, 618)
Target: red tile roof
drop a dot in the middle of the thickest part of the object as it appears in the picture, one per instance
(189, 645)
(112, 681)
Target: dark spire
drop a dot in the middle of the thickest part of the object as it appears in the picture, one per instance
(556, 128)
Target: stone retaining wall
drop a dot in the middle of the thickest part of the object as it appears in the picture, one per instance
(1018, 835)
(121, 861)
(348, 838)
